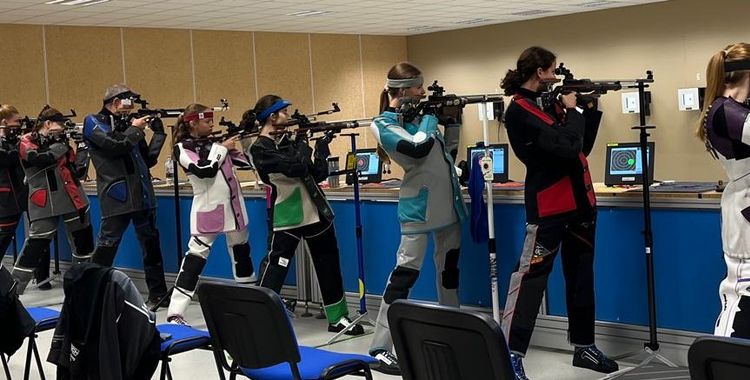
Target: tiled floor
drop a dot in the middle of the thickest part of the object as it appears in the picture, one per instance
(540, 364)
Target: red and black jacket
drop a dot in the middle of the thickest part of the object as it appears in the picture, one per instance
(553, 146)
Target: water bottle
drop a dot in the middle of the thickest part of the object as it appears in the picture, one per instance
(169, 170)
(333, 166)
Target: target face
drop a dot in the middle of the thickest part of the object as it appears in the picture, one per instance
(363, 163)
(624, 160)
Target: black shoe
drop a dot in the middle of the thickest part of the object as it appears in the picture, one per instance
(516, 361)
(153, 301)
(388, 362)
(344, 323)
(45, 286)
(592, 358)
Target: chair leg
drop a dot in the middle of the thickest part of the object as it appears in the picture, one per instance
(5, 367)
(233, 376)
(218, 365)
(38, 361)
(169, 373)
(163, 369)
(27, 366)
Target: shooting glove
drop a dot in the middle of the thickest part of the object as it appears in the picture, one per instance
(587, 102)
(156, 125)
(463, 178)
(322, 151)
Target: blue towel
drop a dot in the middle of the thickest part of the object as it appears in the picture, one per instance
(479, 227)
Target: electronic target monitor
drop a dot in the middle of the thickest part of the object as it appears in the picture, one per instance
(499, 160)
(367, 163)
(624, 164)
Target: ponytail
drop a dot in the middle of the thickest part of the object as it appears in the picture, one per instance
(182, 127)
(384, 100)
(512, 82)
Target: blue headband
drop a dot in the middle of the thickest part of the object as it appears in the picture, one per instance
(275, 107)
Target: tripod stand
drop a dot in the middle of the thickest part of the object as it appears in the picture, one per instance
(362, 317)
(178, 227)
(487, 170)
(650, 348)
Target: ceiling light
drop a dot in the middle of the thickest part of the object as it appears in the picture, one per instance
(599, 3)
(309, 13)
(474, 21)
(420, 28)
(76, 2)
(532, 12)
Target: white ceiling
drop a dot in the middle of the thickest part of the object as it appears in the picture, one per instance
(381, 17)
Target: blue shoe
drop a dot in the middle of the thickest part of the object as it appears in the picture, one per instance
(516, 361)
(591, 358)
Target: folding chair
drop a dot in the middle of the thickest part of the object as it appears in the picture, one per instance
(181, 339)
(251, 324)
(719, 358)
(45, 319)
(444, 343)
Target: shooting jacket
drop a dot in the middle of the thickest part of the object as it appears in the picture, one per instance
(54, 189)
(553, 146)
(430, 196)
(287, 167)
(122, 160)
(218, 205)
(728, 136)
(14, 194)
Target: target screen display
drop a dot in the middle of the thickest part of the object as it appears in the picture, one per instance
(625, 161)
(498, 158)
(367, 163)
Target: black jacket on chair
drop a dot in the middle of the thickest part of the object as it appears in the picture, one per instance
(105, 331)
(16, 322)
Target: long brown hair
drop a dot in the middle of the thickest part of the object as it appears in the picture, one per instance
(717, 80)
(182, 127)
(530, 60)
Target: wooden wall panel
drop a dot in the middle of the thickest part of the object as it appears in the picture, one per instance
(379, 54)
(224, 68)
(22, 79)
(283, 67)
(158, 66)
(82, 63)
(337, 77)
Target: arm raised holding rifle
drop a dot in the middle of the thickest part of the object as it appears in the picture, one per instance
(300, 209)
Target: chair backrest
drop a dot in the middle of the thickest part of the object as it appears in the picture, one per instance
(719, 358)
(436, 342)
(249, 323)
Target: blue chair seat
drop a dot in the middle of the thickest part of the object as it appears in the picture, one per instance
(44, 317)
(312, 366)
(184, 338)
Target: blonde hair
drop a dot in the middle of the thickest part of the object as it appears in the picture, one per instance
(717, 79)
(7, 111)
